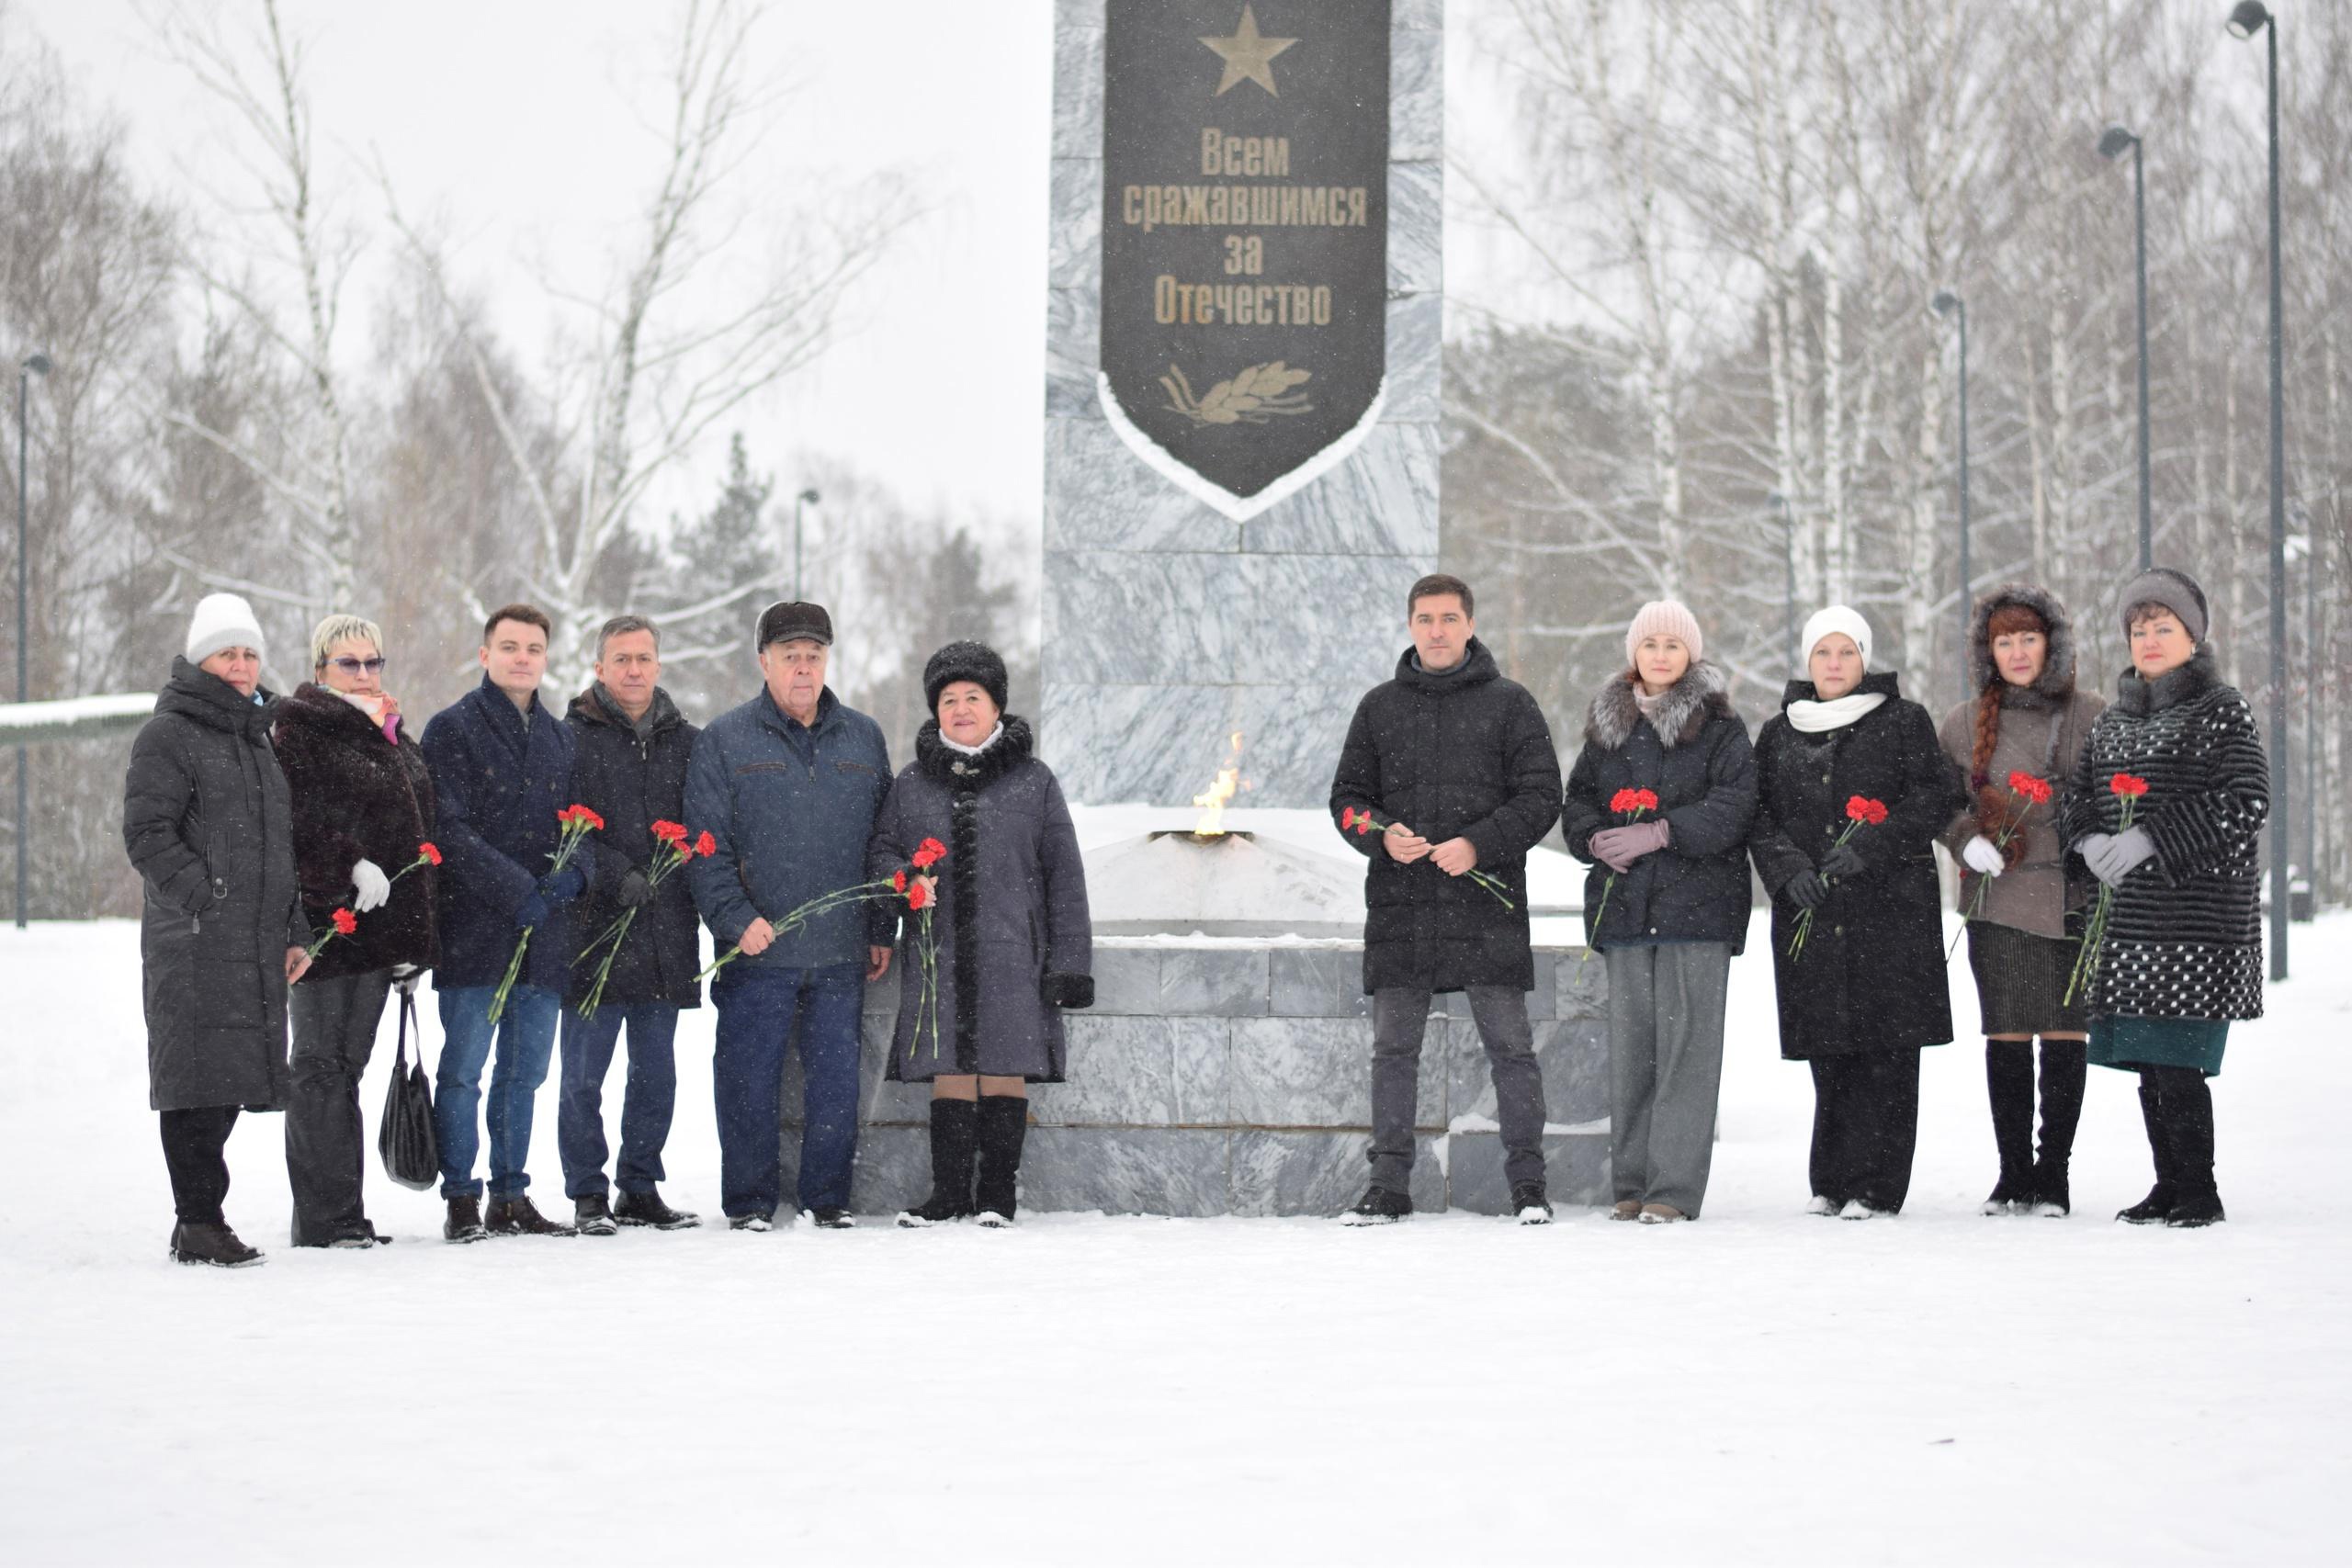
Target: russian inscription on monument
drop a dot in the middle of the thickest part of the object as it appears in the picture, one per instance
(1245, 237)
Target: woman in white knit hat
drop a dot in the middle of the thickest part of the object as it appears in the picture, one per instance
(1665, 901)
(1852, 789)
(208, 827)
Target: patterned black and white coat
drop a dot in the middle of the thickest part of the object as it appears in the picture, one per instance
(2184, 935)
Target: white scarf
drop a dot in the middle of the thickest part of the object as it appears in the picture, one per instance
(993, 736)
(1814, 718)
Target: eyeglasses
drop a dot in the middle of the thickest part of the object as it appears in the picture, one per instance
(351, 666)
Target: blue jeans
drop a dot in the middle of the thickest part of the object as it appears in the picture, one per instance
(652, 1095)
(526, 1038)
(757, 1009)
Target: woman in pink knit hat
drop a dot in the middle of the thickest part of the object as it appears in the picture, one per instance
(1658, 805)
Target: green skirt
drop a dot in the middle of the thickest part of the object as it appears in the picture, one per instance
(2129, 1042)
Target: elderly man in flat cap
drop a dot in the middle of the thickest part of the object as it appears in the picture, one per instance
(787, 785)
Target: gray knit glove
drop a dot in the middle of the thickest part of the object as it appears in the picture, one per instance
(2111, 858)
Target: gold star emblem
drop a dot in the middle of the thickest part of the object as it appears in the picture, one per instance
(1246, 56)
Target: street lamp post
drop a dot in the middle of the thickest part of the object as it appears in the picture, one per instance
(1948, 303)
(1780, 504)
(33, 364)
(2247, 18)
(2111, 146)
(806, 498)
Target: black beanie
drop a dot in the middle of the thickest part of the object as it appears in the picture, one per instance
(973, 661)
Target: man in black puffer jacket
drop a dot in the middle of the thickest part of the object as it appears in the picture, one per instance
(1456, 766)
(628, 764)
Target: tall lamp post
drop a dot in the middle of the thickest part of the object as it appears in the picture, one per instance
(2247, 18)
(33, 365)
(2113, 145)
(2304, 546)
(806, 498)
(1948, 303)
(1780, 504)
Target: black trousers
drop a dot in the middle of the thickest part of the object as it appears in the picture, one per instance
(326, 1139)
(194, 1152)
(1865, 1126)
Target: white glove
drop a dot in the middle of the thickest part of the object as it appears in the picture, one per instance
(373, 885)
(1983, 857)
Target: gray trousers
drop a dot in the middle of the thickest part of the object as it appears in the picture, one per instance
(1666, 1064)
(326, 1143)
(1399, 1019)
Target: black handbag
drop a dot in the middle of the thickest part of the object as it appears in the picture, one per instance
(404, 1139)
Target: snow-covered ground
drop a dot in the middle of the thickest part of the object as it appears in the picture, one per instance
(1756, 1387)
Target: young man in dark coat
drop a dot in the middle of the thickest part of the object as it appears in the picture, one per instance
(501, 764)
(208, 828)
(1456, 763)
(628, 765)
(787, 785)
(363, 805)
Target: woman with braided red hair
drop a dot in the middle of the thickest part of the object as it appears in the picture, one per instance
(2017, 740)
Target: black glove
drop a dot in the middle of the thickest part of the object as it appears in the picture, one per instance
(532, 912)
(634, 889)
(563, 886)
(1843, 860)
(1805, 889)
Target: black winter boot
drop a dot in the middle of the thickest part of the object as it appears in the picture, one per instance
(647, 1209)
(215, 1245)
(464, 1222)
(519, 1216)
(2063, 1071)
(954, 1127)
(2008, 1084)
(2151, 1210)
(2188, 1112)
(592, 1215)
(1004, 1127)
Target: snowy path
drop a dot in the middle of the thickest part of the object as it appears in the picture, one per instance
(1758, 1387)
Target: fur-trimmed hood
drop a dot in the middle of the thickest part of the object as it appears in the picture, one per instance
(1703, 693)
(2056, 680)
(957, 771)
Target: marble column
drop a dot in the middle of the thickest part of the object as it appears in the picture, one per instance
(1168, 625)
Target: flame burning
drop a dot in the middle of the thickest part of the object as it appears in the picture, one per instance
(1213, 800)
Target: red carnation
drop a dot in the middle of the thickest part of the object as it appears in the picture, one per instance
(2127, 785)
(431, 853)
(918, 896)
(898, 882)
(926, 854)
(1863, 808)
(705, 845)
(2028, 787)
(346, 922)
(670, 832)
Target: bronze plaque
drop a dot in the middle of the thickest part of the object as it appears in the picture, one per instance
(1245, 238)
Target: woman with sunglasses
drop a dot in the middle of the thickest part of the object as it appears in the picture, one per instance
(363, 810)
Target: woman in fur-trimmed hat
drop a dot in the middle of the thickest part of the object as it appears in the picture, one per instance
(1665, 901)
(2028, 723)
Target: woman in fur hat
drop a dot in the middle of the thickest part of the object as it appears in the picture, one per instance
(2027, 724)
(1665, 902)
(1014, 945)
(2179, 843)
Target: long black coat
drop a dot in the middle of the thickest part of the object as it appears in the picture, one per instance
(1698, 760)
(210, 830)
(2184, 932)
(1871, 975)
(358, 797)
(632, 783)
(1465, 754)
(1014, 941)
(499, 777)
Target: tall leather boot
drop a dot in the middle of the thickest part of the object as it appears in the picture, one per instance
(953, 1125)
(2009, 1083)
(2063, 1069)
(1004, 1127)
(2151, 1210)
(2188, 1112)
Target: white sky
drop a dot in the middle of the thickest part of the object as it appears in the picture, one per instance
(515, 128)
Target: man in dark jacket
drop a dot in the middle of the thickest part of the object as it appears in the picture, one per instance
(1456, 765)
(787, 785)
(628, 765)
(501, 764)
